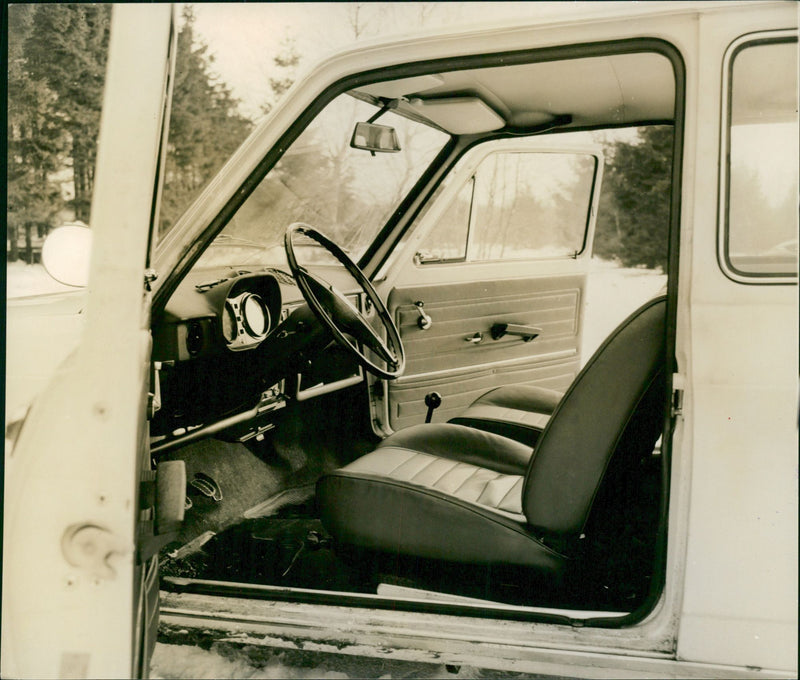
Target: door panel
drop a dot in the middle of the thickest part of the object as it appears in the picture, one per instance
(442, 359)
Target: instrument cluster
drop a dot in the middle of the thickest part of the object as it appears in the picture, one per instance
(246, 320)
(211, 317)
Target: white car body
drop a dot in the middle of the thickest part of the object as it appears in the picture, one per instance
(729, 604)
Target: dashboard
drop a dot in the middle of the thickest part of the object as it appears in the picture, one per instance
(232, 348)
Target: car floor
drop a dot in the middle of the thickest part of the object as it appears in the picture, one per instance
(257, 479)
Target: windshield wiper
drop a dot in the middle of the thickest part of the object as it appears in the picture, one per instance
(228, 240)
(208, 285)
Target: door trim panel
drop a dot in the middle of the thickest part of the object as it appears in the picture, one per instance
(441, 358)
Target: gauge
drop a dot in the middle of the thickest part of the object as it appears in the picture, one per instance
(255, 315)
(229, 323)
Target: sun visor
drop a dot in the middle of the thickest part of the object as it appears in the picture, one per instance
(459, 115)
(395, 89)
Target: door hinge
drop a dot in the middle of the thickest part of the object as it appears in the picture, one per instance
(678, 385)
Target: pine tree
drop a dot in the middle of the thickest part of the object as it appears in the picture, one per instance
(36, 142)
(205, 127)
(633, 217)
(67, 51)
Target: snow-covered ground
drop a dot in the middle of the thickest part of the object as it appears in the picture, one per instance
(613, 292)
(185, 661)
(30, 279)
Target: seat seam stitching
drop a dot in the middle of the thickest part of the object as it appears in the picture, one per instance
(425, 467)
(455, 465)
(467, 479)
(497, 476)
(513, 486)
(407, 460)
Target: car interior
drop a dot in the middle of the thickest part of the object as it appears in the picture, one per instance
(345, 433)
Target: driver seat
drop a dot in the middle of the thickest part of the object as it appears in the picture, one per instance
(455, 493)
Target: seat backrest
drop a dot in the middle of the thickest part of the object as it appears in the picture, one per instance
(573, 452)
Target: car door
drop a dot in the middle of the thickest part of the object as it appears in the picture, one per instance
(80, 582)
(489, 288)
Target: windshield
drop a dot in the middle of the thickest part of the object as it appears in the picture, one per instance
(346, 193)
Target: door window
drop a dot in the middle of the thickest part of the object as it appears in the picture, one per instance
(517, 206)
(761, 183)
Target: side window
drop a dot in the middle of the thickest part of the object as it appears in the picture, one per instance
(519, 206)
(759, 201)
(448, 243)
(532, 205)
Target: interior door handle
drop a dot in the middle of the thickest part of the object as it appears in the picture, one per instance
(475, 339)
(527, 333)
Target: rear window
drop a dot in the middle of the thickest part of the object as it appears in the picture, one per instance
(759, 201)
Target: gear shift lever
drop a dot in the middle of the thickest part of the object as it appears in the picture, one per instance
(433, 400)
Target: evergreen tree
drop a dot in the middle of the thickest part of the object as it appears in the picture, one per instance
(35, 142)
(67, 51)
(205, 127)
(633, 218)
(286, 63)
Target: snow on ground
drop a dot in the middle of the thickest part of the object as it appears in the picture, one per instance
(612, 294)
(251, 663)
(186, 661)
(30, 279)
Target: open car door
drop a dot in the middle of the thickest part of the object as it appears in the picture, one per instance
(80, 579)
(490, 286)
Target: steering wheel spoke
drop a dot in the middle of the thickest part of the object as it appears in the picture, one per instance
(335, 311)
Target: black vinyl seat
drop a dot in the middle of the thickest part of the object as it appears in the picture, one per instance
(520, 412)
(461, 494)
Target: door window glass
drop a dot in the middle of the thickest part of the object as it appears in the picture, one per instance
(762, 170)
(532, 206)
(449, 241)
(518, 206)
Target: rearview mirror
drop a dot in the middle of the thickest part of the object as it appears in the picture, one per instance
(372, 137)
(66, 252)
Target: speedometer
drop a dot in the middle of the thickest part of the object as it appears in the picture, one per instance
(255, 315)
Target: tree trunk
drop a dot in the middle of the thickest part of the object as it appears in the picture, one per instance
(13, 235)
(28, 243)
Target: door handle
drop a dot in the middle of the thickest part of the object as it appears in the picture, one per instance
(475, 339)
(527, 333)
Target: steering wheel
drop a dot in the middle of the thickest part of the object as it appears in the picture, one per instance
(339, 315)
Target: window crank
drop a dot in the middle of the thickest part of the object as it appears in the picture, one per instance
(424, 321)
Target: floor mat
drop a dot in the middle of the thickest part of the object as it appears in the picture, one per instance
(244, 481)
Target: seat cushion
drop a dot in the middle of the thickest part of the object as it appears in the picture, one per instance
(519, 412)
(466, 445)
(465, 482)
(401, 499)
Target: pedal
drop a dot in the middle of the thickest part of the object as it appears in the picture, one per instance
(207, 486)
